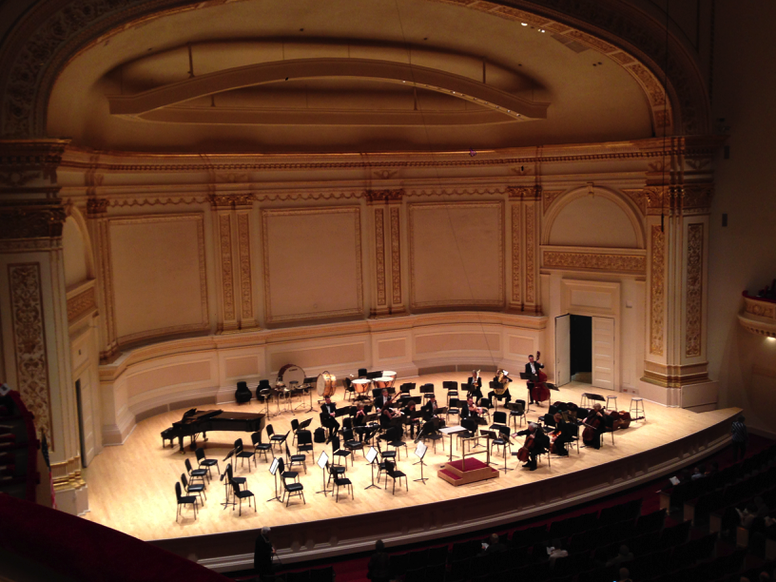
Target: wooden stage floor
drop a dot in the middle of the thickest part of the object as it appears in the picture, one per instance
(131, 487)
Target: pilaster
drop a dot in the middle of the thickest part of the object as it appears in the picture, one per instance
(524, 224)
(35, 332)
(385, 213)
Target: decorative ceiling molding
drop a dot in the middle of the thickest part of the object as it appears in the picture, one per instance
(53, 32)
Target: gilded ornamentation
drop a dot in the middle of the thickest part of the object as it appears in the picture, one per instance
(380, 255)
(227, 276)
(516, 232)
(81, 304)
(95, 206)
(32, 219)
(396, 255)
(697, 196)
(525, 192)
(694, 298)
(530, 246)
(657, 292)
(653, 88)
(548, 197)
(29, 336)
(373, 196)
(639, 198)
(385, 174)
(223, 201)
(761, 309)
(244, 242)
(15, 179)
(592, 41)
(595, 261)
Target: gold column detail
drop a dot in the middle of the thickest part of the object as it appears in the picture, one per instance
(694, 298)
(29, 336)
(82, 303)
(517, 295)
(530, 252)
(657, 291)
(227, 273)
(380, 255)
(396, 256)
(246, 288)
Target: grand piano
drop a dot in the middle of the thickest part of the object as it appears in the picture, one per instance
(196, 421)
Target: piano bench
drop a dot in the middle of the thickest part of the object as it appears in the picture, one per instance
(167, 435)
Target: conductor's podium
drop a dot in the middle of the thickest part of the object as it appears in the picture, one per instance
(466, 471)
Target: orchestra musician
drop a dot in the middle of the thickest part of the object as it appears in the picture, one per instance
(359, 421)
(382, 399)
(501, 380)
(532, 368)
(387, 415)
(474, 410)
(474, 386)
(561, 435)
(430, 408)
(328, 415)
(536, 443)
(595, 425)
(408, 411)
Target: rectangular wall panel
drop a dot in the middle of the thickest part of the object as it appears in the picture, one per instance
(457, 254)
(312, 264)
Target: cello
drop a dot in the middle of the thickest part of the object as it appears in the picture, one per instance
(524, 452)
(539, 390)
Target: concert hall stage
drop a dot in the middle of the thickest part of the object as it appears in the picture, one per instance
(131, 487)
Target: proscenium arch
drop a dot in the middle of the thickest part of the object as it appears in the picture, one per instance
(400, 73)
(626, 205)
(50, 34)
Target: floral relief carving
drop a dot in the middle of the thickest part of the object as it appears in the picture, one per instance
(597, 261)
(516, 232)
(548, 197)
(657, 292)
(530, 246)
(244, 242)
(380, 255)
(29, 336)
(694, 299)
(384, 195)
(81, 304)
(227, 275)
(396, 256)
(32, 220)
(761, 309)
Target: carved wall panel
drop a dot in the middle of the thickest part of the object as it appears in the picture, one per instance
(517, 231)
(694, 297)
(29, 337)
(159, 275)
(530, 254)
(246, 287)
(312, 264)
(82, 303)
(657, 291)
(594, 261)
(227, 271)
(456, 254)
(380, 255)
(396, 255)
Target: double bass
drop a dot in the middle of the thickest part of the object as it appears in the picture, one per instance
(539, 390)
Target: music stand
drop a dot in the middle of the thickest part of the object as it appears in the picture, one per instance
(420, 452)
(227, 487)
(488, 434)
(508, 441)
(273, 469)
(312, 381)
(323, 462)
(371, 457)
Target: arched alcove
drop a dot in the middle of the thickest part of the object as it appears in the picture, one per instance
(593, 218)
(76, 249)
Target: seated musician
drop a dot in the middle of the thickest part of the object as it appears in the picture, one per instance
(359, 420)
(430, 408)
(387, 415)
(408, 411)
(474, 410)
(536, 442)
(561, 435)
(532, 368)
(382, 399)
(474, 386)
(595, 425)
(328, 418)
(501, 392)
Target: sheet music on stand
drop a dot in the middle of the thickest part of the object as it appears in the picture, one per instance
(273, 469)
(323, 460)
(274, 466)
(420, 452)
(371, 455)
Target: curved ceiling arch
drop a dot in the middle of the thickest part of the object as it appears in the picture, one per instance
(457, 86)
(51, 34)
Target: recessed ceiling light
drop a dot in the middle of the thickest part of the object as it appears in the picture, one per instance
(524, 23)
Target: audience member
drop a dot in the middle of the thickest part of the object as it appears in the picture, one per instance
(493, 546)
(379, 568)
(623, 555)
(262, 554)
(624, 575)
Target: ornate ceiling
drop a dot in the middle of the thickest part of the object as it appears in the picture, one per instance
(335, 76)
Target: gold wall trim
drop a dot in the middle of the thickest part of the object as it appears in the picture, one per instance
(227, 273)
(517, 231)
(84, 302)
(694, 296)
(657, 291)
(380, 254)
(594, 261)
(29, 340)
(396, 255)
(244, 245)
(530, 254)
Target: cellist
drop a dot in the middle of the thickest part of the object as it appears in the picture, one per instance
(536, 443)
(594, 426)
